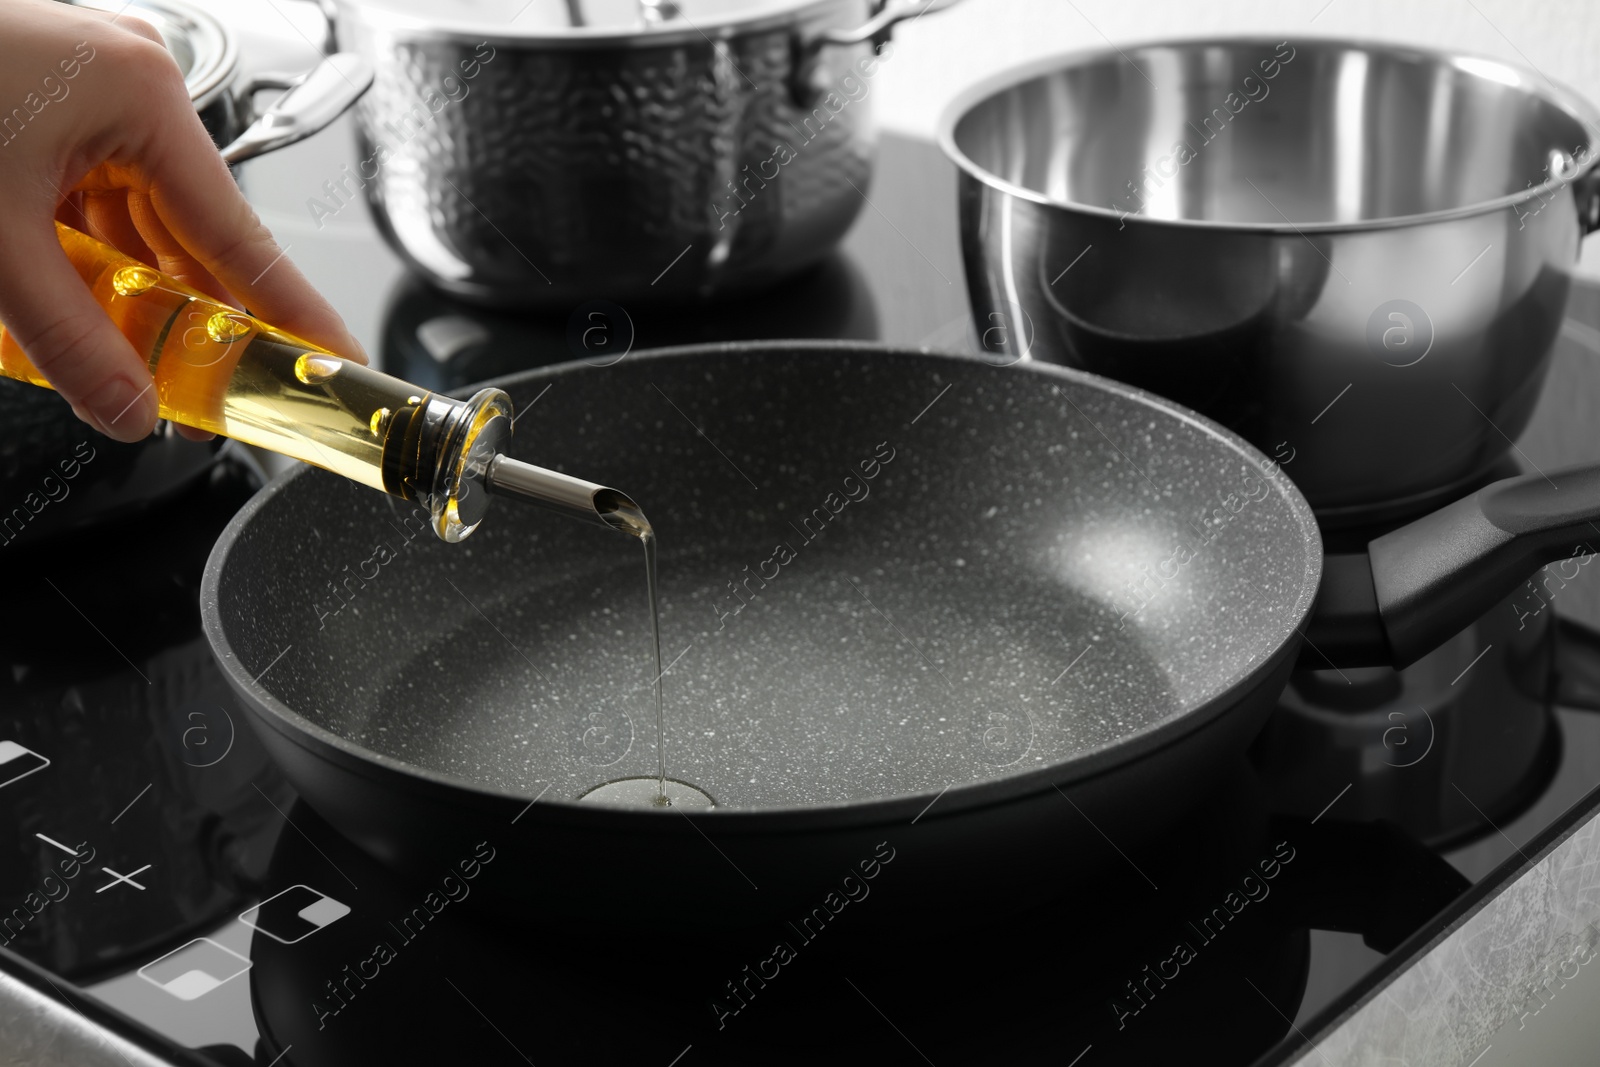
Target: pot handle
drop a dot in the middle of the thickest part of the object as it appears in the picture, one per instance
(1586, 194)
(805, 86)
(330, 25)
(310, 103)
(1418, 586)
(877, 28)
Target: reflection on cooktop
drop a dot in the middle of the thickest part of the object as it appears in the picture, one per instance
(441, 343)
(144, 816)
(1452, 746)
(1123, 964)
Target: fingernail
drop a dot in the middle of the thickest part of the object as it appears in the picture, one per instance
(125, 411)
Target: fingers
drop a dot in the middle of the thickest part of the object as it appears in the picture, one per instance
(70, 210)
(207, 218)
(192, 433)
(119, 213)
(108, 219)
(123, 20)
(67, 336)
(144, 173)
(107, 213)
(170, 257)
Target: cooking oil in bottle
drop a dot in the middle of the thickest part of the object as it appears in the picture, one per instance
(222, 370)
(218, 369)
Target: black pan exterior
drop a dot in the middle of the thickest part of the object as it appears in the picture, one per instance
(1125, 609)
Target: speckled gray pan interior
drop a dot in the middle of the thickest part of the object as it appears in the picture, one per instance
(946, 572)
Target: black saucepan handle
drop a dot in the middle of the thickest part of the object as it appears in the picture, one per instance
(1420, 585)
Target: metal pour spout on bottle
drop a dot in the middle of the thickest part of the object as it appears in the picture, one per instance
(219, 369)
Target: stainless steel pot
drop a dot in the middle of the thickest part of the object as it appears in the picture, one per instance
(1357, 255)
(657, 151)
(43, 438)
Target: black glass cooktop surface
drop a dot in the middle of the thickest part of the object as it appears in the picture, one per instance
(161, 882)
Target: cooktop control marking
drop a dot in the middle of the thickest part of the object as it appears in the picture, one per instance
(119, 879)
(57, 844)
(195, 969)
(294, 914)
(17, 762)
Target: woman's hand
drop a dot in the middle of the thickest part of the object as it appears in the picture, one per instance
(97, 129)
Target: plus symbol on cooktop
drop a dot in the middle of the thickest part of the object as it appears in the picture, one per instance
(119, 879)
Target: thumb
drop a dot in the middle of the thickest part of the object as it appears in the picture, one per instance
(66, 334)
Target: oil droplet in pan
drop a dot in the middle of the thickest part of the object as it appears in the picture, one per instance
(134, 281)
(379, 421)
(314, 369)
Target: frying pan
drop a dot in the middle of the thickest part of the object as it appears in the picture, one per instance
(975, 630)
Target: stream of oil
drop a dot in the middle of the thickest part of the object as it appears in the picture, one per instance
(629, 519)
(659, 791)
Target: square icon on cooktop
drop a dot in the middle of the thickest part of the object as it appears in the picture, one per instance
(194, 970)
(294, 914)
(17, 762)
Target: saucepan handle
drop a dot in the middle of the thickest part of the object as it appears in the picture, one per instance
(1421, 584)
(805, 84)
(311, 102)
(890, 13)
(330, 25)
(1586, 194)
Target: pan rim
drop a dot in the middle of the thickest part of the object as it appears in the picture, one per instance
(261, 705)
(1557, 94)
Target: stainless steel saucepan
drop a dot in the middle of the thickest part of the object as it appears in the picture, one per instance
(1357, 255)
(538, 152)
